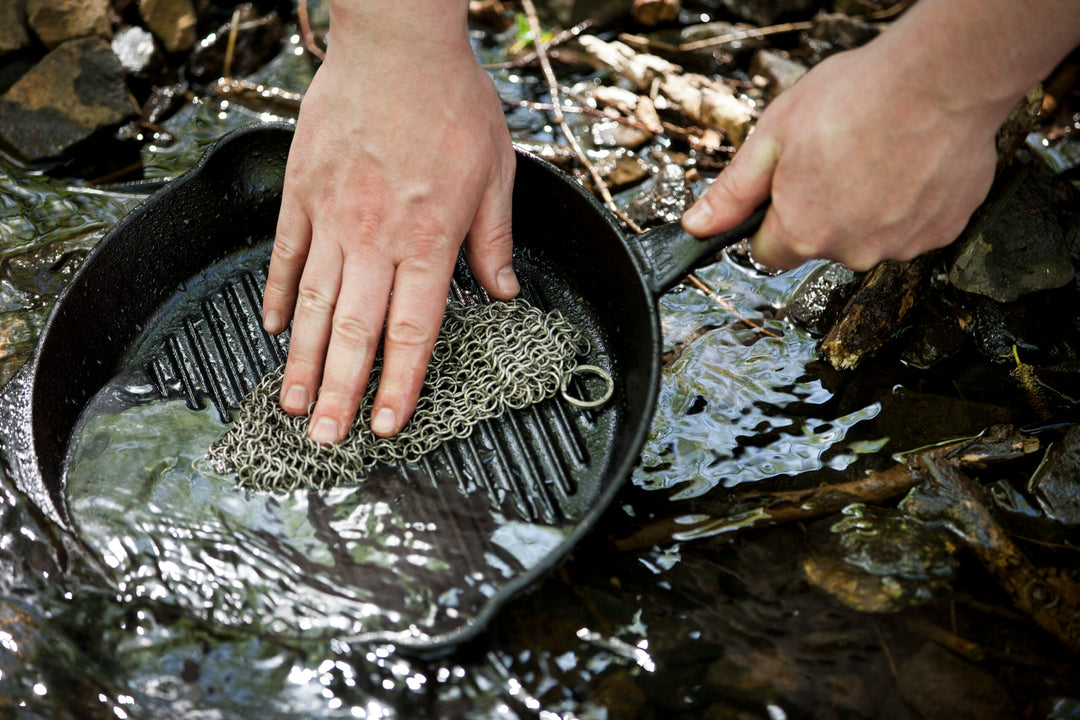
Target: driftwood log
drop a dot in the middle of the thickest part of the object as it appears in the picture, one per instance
(700, 100)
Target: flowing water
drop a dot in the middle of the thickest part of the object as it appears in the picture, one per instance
(104, 625)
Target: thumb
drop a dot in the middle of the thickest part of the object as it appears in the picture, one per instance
(737, 191)
(489, 245)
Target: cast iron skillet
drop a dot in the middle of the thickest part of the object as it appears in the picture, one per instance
(145, 300)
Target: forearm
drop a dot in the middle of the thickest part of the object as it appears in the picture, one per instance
(980, 55)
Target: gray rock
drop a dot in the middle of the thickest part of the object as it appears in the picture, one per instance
(1014, 246)
(13, 32)
(55, 21)
(74, 91)
(779, 72)
(173, 22)
(764, 12)
(1055, 484)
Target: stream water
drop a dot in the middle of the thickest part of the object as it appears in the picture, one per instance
(699, 628)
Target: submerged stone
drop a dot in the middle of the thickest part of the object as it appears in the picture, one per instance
(1014, 246)
(56, 21)
(662, 199)
(879, 560)
(76, 90)
(1056, 484)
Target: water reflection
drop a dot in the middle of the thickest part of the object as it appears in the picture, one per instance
(741, 404)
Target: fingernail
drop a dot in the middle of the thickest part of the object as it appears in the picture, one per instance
(272, 322)
(325, 431)
(384, 422)
(507, 282)
(696, 219)
(296, 399)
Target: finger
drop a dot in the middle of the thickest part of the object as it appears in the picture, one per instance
(292, 242)
(354, 336)
(489, 245)
(316, 298)
(737, 191)
(771, 247)
(416, 311)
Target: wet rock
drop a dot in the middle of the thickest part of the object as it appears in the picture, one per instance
(764, 12)
(1056, 484)
(135, 49)
(834, 33)
(76, 90)
(613, 134)
(619, 695)
(620, 168)
(927, 343)
(939, 684)
(780, 72)
(258, 39)
(55, 21)
(654, 12)
(173, 22)
(862, 7)
(14, 35)
(878, 560)
(817, 302)
(1014, 246)
(663, 198)
(570, 12)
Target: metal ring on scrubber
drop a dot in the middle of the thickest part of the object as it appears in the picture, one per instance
(581, 370)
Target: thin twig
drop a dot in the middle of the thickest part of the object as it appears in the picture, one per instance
(560, 119)
(757, 33)
(230, 45)
(307, 32)
(532, 56)
(581, 110)
(722, 302)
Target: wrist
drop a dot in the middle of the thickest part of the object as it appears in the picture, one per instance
(373, 32)
(977, 57)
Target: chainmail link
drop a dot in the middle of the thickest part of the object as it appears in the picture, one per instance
(486, 360)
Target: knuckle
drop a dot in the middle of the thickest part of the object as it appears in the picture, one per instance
(313, 299)
(286, 251)
(352, 330)
(410, 332)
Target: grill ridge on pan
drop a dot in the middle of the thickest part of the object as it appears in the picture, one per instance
(524, 460)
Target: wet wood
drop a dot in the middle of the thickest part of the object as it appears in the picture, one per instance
(874, 313)
(1049, 595)
(761, 509)
(701, 100)
(257, 96)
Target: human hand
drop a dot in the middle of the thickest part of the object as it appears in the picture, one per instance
(401, 152)
(862, 164)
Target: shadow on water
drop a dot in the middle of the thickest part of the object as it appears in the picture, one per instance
(180, 597)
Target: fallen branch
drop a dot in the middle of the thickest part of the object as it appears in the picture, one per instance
(756, 509)
(306, 31)
(703, 101)
(1048, 595)
(873, 314)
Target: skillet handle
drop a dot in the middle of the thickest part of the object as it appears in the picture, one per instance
(668, 252)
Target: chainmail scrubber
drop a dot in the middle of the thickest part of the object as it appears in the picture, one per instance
(486, 360)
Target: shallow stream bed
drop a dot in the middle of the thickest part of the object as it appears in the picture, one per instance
(685, 622)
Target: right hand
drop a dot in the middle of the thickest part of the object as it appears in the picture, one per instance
(861, 164)
(401, 152)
